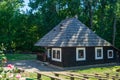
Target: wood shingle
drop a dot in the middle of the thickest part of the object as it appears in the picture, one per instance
(71, 33)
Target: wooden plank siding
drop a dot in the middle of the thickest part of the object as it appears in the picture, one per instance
(69, 57)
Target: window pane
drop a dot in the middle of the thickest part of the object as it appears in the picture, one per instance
(54, 54)
(110, 53)
(58, 54)
(99, 53)
(80, 54)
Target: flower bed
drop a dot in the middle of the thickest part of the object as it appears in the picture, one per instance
(10, 72)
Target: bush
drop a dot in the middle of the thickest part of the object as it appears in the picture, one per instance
(10, 72)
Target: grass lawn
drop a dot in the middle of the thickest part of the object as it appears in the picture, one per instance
(16, 56)
(33, 76)
(99, 70)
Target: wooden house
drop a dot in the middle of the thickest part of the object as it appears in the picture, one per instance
(71, 43)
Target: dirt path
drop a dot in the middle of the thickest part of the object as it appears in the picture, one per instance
(33, 65)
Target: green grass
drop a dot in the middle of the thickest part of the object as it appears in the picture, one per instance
(33, 76)
(99, 70)
(14, 57)
(30, 75)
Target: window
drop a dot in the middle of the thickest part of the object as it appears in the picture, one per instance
(80, 54)
(56, 54)
(110, 54)
(98, 53)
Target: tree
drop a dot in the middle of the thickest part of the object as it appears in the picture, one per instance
(8, 11)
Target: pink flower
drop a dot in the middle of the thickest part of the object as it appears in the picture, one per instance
(18, 76)
(10, 66)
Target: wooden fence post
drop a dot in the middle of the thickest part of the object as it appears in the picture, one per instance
(113, 78)
(96, 75)
(52, 78)
(57, 75)
(117, 75)
(39, 76)
(107, 75)
(71, 78)
(85, 76)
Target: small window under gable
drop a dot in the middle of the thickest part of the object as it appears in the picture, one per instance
(56, 54)
(80, 54)
(98, 53)
(110, 54)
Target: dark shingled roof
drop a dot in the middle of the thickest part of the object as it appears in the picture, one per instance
(71, 33)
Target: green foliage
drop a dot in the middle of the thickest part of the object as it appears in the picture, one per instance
(99, 70)
(20, 30)
(15, 57)
(3, 58)
(9, 73)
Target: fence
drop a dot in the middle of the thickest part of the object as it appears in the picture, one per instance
(74, 76)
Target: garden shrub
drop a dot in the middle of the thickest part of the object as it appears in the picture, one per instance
(10, 72)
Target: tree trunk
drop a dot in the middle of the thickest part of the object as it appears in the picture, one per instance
(114, 30)
(90, 13)
(91, 18)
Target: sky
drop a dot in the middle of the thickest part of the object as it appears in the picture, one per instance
(26, 5)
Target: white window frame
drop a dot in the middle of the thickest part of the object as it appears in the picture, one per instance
(96, 48)
(80, 59)
(55, 59)
(48, 53)
(108, 54)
